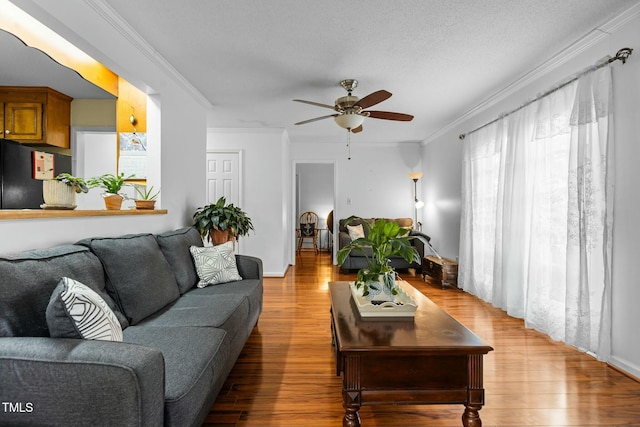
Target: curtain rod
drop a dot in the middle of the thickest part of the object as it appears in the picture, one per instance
(621, 55)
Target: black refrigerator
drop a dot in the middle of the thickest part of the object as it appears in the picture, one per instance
(18, 188)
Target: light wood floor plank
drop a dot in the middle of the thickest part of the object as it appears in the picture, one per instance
(285, 375)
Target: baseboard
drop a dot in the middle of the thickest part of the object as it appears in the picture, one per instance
(625, 368)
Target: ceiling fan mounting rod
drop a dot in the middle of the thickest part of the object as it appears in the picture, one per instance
(349, 85)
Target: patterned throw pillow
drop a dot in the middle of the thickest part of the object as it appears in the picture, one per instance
(76, 311)
(355, 231)
(215, 264)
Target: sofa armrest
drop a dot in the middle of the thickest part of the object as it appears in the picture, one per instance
(343, 239)
(249, 267)
(419, 241)
(63, 382)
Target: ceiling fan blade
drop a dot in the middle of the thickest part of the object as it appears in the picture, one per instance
(357, 129)
(316, 119)
(373, 99)
(387, 115)
(317, 104)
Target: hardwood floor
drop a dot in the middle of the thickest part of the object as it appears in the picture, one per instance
(286, 373)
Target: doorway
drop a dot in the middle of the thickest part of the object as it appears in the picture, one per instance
(315, 191)
(93, 152)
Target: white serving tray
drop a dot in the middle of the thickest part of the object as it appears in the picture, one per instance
(404, 306)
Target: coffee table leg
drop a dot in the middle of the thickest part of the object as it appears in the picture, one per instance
(351, 418)
(471, 417)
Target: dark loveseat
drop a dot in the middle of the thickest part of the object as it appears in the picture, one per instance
(179, 342)
(357, 259)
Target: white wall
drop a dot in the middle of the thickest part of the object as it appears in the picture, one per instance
(181, 125)
(375, 180)
(266, 187)
(442, 169)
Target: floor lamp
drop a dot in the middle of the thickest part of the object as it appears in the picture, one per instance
(417, 204)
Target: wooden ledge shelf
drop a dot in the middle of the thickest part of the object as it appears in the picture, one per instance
(76, 213)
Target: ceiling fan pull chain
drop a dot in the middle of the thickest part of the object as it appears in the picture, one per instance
(349, 144)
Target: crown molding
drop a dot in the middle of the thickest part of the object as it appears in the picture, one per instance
(245, 130)
(110, 16)
(564, 56)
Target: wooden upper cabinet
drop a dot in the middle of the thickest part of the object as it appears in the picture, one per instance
(23, 121)
(35, 115)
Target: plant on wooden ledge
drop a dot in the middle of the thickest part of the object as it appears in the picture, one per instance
(146, 197)
(383, 240)
(60, 192)
(220, 222)
(79, 185)
(111, 184)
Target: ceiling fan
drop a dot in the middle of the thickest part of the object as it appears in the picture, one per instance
(351, 110)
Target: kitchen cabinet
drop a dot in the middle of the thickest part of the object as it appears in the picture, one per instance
(35, 115)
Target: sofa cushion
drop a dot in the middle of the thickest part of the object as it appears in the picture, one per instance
(215, 264)
(28, 279)
(342, 224)
(355, 232)
(229, 312)
(138, 276)
(76, 311)
(175, 247)
(250, 288)
(195, 361)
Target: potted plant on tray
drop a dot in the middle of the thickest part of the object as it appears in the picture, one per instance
(383, 239)
(220, 222)
(112, 184)
(60, 192)
(146, 198)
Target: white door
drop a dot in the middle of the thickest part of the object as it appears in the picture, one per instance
(223, 176)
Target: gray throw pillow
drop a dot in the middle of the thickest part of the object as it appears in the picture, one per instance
(76, 311)
(215, 264)
(175, 247)
(139, 278)
(27, 280)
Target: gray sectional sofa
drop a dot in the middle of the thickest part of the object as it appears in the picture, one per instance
(358, 259)
(179, 342)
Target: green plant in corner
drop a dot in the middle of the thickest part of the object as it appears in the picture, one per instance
(78, 184)
(232, 221)
(112, 184)
(383, 240)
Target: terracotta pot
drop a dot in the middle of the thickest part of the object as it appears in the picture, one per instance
(57, 193)
(145, 204)
(219, 237)
(113, 202)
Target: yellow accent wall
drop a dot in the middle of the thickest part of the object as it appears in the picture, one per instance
(93, 112)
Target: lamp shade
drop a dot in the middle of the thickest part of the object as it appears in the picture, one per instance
(415, 175)
(349, 120)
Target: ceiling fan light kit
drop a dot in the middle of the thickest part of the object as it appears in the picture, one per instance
(351, 110)
(349, 121)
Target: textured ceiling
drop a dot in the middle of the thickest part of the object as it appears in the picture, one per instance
(439, 58)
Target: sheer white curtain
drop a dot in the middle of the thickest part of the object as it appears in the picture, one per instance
(536, 218)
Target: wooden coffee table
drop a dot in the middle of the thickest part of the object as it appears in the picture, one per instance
(429, 359)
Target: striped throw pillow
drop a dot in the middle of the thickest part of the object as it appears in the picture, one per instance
(76, 311)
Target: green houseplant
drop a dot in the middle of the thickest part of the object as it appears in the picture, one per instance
(111, 184)
(384, 239)
(220, 222)
(60, 192)
(79, 185)
(146, 197)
